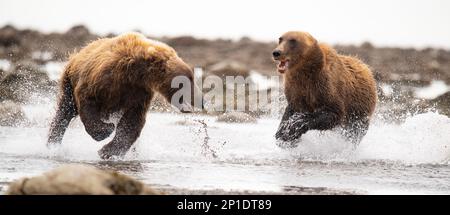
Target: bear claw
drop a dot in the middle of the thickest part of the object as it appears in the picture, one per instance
(109, 152)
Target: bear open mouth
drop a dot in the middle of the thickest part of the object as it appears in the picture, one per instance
(283, 65)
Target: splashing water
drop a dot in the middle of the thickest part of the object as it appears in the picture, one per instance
(196, 152)
(206, 150)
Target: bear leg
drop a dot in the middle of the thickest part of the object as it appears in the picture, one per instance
(292, 129)
(66, 111)
(94, 126)
(288, 112)
(128, 130)
(300, 123)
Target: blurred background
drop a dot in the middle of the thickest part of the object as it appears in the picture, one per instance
(414, 23)
(406, 43)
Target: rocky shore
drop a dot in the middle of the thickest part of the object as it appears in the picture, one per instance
(30, 62)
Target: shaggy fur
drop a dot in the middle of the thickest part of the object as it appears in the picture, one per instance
(323, 89)
(111, 75)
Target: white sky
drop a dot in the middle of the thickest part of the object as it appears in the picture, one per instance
(417, 23)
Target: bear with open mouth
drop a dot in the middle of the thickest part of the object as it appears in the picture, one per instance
(323, 89)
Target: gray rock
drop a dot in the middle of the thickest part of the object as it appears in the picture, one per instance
(25, 79)
(236, 117)
(76, 179)
(443, 103)
(229, 68)
(9, 36)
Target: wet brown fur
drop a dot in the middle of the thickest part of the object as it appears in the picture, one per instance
(109, 75)
(319, 80)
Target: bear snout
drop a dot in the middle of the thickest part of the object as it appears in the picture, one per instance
(276, 54)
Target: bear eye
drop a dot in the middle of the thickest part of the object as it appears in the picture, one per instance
(280, 40)
(292, 41)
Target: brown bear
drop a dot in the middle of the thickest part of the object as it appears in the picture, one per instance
(323, 89)
(119, 75)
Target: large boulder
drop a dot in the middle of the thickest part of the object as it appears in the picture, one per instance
(11, 114)
(76, 179)
(78, 31)
(23, 81)
(9, 36)
(443, 103)
(186, 41)
(228, 68)
(78, 36)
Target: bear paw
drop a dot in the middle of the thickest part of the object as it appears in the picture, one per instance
(111, 151)
(291, 130)
(107, 153)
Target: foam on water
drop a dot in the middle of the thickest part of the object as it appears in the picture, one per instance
(5, 65)
(435, 89)
(54, 69)
(407, 157)
(420, 139)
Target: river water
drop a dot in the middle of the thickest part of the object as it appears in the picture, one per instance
(177, 151)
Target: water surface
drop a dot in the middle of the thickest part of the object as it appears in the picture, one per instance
(394, 158)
